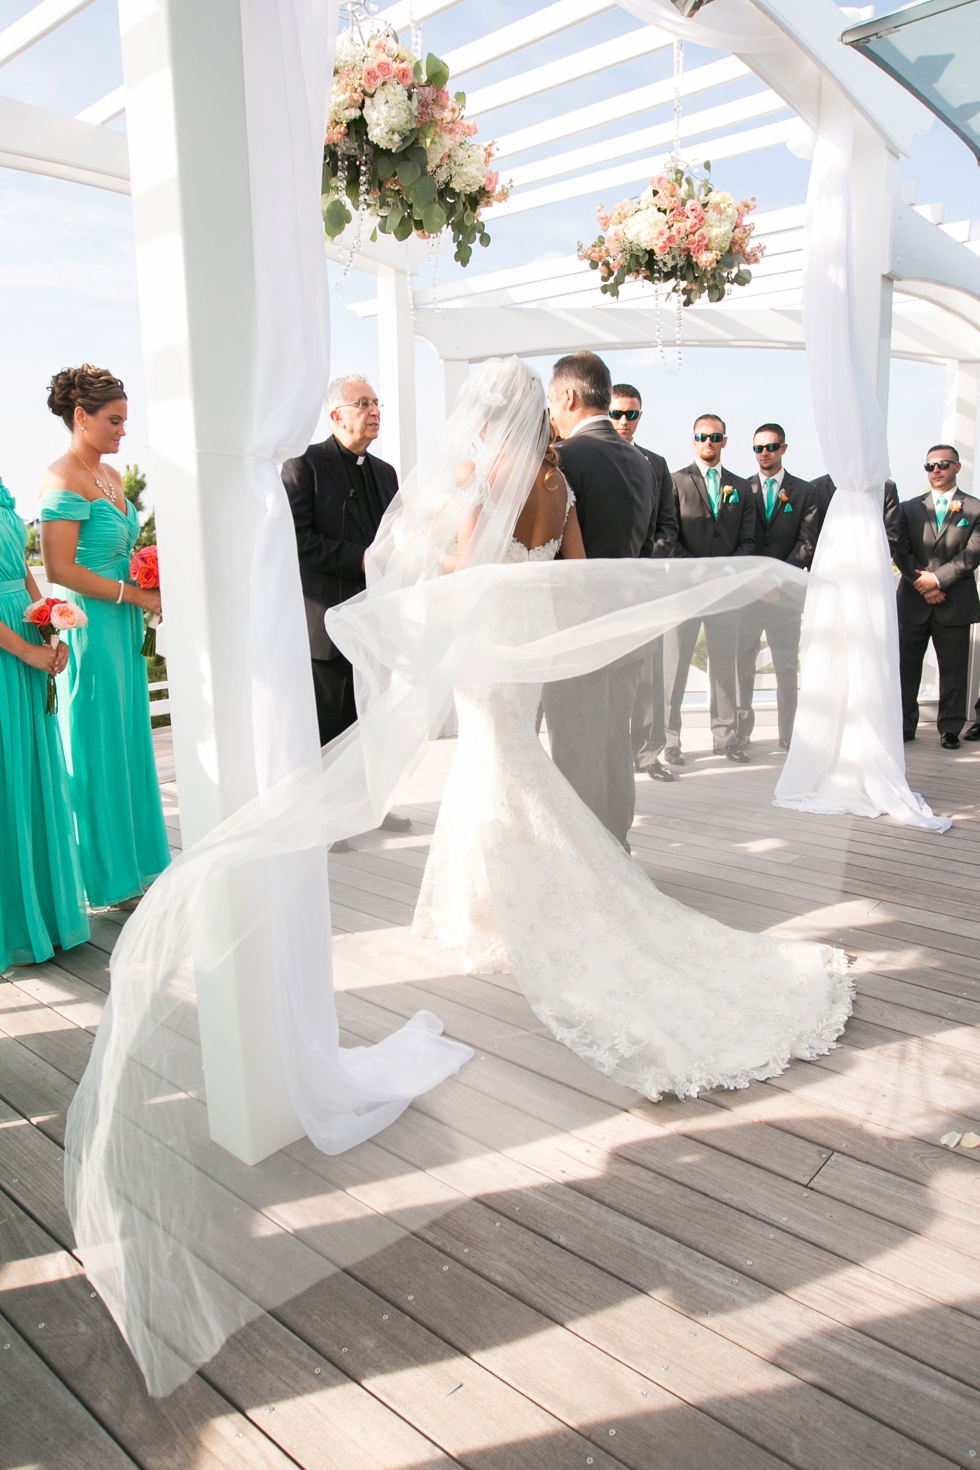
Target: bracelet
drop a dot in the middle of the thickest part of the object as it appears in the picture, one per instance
(122, 589)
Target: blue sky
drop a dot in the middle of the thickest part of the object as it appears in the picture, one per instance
(68, 289)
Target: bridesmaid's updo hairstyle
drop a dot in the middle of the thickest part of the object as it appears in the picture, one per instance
(86, 387)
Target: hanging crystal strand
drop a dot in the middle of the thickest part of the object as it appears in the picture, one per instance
(363, 188)
(416, 31)
(678, 77)
(408, 278)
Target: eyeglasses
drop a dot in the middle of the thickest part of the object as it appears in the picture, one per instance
(939, 464)
(630, 414)
(362, 403)
(766, 448)
(715, 438)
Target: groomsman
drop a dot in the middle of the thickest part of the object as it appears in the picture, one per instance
(647, 724)
(824, 487)
(786, 529)
(716, 516)
(338, 493)
(938, 551)
(589, 717)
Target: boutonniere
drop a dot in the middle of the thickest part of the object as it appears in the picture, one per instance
(729, 495)
(954, 507)
(784, 501)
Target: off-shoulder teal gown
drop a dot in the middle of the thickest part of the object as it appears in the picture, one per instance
(41, 898)
(104, 710)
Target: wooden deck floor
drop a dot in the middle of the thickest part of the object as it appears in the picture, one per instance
(534, 1271)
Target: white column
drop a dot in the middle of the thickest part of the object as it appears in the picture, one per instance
(960, 405)
(454, 376)
(396, 354)
(185, 110)
(874, 182)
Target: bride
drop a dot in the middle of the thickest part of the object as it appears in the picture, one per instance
(522, 876)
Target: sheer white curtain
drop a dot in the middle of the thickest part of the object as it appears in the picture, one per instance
(846, 754)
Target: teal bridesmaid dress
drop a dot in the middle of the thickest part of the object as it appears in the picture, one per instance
(41, 899)
(104, 710)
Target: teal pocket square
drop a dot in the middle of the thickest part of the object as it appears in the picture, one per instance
(787, 508)
(963, 522)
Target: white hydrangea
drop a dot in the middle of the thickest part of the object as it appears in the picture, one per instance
(720, 213)
(436, 148)
(646, 228)
(465, 167)
(350, 51)
(389, 115)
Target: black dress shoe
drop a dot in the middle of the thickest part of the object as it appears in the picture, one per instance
(737, 754)
(784, 745)
(907, 739)
(949, 742)
(657, 772)
(391, 823)
(673, 756)
(973, 733)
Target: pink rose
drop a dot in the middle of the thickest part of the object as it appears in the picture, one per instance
(404, 75)
(491, 181)
(370, 77)
(384, 68)
(65, 615)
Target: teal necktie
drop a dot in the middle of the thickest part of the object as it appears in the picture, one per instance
(941, 503)
(770, 496)
(714, 495)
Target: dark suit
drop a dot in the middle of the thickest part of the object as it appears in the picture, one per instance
(701, 534)
(824, 488)
(952, 554)
(336, 513)
(790, 535)
(589, 717)
(647, 726)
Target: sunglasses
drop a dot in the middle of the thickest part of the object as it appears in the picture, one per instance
(766, 448)
(715, 438)
(630, 414)
(939, 464)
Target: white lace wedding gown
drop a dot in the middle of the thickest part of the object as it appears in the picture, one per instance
(522, 876)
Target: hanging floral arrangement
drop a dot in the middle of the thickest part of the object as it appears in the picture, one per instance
(398, 148)
(679, 230)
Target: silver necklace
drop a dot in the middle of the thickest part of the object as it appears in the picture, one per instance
(107, 490)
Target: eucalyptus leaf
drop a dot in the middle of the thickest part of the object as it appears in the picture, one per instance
(408, 170)
(726, 262)
(403, 228)
(436, 71)
(433, 219)
(425, 190)
(336, 218)
(743, 278)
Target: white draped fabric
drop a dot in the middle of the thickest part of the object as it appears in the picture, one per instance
(846, 753)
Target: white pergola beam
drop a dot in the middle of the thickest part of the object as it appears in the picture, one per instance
(401, 15)
(627, 104)
(708, 120)
(37, 24)
(103, 111)
(568, 69)
(622, 175)
(36, 140)
(536, 27)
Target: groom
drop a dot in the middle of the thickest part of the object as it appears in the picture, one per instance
(589, 717)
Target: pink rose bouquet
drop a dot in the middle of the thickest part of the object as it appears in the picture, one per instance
(52, 617)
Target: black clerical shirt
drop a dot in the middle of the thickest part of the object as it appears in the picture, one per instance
(361, 480)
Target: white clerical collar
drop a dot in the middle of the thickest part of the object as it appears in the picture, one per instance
(777, 478)
(587, 423)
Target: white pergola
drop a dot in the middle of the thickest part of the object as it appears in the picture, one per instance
(184, 159)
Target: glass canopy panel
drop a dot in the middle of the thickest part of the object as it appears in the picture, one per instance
(933, 49)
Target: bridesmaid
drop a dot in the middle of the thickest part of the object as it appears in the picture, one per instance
(88, 528)
(41, 898)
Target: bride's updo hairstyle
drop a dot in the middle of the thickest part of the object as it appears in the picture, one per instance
(483, 468)
(86, 387)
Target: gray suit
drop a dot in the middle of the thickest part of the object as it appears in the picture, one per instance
(648, 726)
(589, 718)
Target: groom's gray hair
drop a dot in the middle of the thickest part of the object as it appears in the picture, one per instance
(339, 386)
(588, 375)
